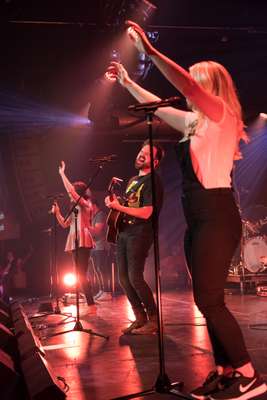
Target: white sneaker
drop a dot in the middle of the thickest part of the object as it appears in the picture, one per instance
(99, 294)
(104, 296)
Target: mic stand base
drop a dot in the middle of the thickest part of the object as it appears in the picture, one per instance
(79, 328)
(162, 386)
(56, 311)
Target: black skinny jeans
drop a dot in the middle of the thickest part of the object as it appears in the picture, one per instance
(82, 266)
(133, 245)
(214, 231)
(99, 258)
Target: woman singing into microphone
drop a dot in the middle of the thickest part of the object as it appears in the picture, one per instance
(85, 241)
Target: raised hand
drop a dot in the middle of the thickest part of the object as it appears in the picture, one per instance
(55, 208)
(61, 168)
(139, 38)
(118, 72)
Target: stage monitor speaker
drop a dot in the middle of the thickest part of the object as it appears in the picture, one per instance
(40, 380)
(15, 310)
(5, 318)
(9, 378)
(8, 341)
(4, 306)
(21, 322)
(28, 342)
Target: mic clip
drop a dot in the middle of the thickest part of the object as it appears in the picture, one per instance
(104, 159)
(154, 105)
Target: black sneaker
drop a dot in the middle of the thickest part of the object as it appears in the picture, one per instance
(212, 384)
(134, 325)
(240, 387)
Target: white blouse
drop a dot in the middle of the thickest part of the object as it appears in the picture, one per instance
(83, 223)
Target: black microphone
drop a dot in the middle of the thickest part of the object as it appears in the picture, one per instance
(154, 105)
(54, 196)
(110, 158)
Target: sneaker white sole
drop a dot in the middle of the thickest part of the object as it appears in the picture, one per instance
(199, 397)
(249, 395)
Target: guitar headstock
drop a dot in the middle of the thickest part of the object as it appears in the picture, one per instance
(113, 182)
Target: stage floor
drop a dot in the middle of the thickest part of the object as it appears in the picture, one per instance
(98, 369)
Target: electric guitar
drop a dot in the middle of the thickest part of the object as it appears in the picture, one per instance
(114, 216)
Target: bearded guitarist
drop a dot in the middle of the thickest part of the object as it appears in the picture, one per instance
(135, 238)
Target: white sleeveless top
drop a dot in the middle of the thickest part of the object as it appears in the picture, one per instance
(83, 232)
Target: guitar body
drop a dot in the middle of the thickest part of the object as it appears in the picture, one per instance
(114, 217)
(113, 221)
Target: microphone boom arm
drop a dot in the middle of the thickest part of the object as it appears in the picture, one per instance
(154, 105)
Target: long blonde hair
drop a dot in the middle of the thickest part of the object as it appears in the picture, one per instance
(215, 78)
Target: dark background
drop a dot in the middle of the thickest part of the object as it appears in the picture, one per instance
(53, 57)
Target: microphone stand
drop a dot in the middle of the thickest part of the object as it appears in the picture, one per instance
(244, 233)
(54, 288)
(163, 384)
(78, 327)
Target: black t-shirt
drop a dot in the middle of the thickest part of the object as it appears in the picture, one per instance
(139, 194)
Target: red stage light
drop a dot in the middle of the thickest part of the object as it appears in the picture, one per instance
(69, 279)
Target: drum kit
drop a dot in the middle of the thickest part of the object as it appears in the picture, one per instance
(252, 257)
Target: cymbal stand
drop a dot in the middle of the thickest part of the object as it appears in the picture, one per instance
(242, 245)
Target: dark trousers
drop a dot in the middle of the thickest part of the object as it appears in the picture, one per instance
(132, 249)
(99, 258)
(214, 231)
(82, 265)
